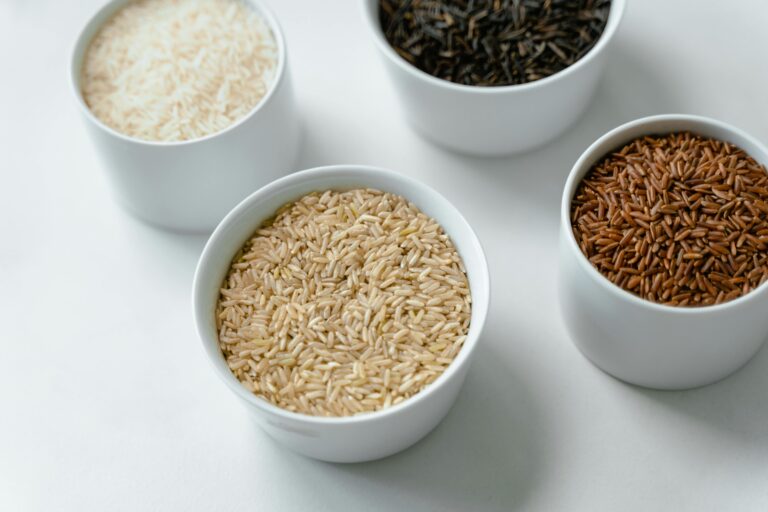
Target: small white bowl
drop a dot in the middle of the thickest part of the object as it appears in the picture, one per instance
(366, 436)
(492, 121)
(191, 185)
(638, 341)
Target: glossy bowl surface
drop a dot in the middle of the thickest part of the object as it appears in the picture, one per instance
(638, 341)
(190, 185)
(366, 436)
(494, 121)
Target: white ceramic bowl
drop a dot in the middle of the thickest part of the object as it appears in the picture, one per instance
(191, 185)
(494, 120)
(639, 341)
(366, 436)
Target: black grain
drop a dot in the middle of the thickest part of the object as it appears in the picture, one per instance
(493, 42)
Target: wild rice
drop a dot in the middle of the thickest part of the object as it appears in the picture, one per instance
(677, 219)
(492, 42)
(344, 303)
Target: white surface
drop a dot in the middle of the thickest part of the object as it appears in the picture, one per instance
(107, 401)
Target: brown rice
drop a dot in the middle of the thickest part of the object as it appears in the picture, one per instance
(677, 219)
(344, 303)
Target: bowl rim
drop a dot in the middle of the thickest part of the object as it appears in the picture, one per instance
(96, 20)
(615, 15)
(593, 154)
(206, 261)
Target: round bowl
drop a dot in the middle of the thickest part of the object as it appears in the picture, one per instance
(642, 342)
(191, 185)
(493, 121)
(370, 435)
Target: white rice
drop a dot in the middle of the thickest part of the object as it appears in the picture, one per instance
(174, 70)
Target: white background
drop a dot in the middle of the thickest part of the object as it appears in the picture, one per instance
(106, 400)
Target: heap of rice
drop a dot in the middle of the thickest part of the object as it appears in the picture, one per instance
(174, 70)
(346, 302)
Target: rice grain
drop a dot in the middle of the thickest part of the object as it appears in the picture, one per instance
(175, 70)
(344, 303)
(677, 219)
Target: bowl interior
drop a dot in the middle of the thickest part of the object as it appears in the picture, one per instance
(615, 139)
(371, 14)
(103, 15)
(241, 223)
